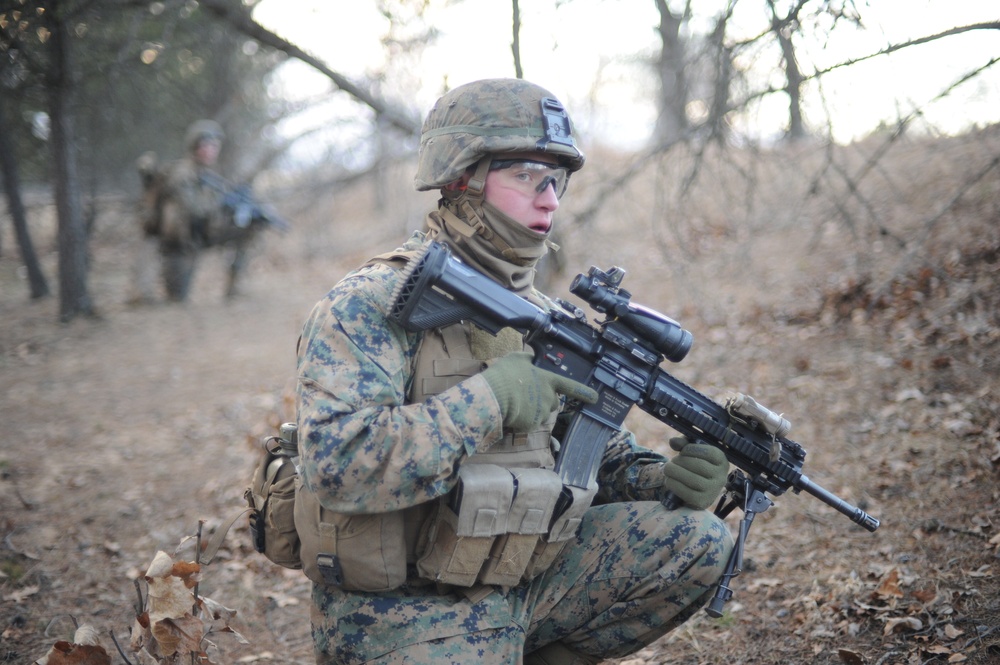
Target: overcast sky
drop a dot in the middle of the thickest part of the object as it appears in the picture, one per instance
(586, 53)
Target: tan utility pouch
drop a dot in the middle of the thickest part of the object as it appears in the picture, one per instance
(536, 494)
(466, 524)
(352, 552)
(271, 497)
(563, 529)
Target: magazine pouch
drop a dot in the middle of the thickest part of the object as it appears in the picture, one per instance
(466, 524)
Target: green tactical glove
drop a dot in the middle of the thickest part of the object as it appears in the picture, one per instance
(697, 474)
(527, 394)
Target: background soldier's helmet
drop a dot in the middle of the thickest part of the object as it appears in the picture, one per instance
(201, 130)
(489, 117)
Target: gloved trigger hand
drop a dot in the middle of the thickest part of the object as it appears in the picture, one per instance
(697, 474)
(527, 394)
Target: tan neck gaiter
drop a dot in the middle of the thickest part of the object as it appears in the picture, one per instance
(488, 240)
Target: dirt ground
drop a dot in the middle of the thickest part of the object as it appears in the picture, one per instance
(122, 432)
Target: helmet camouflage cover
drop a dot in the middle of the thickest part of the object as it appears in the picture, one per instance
(488, 117)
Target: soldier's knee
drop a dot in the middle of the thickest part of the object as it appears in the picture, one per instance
(712, 548)
(713, 536)
(697, 537)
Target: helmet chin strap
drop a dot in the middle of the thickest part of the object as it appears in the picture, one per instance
(470, 203)
(476, 186)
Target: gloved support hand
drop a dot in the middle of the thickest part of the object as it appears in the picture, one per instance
(697, 474)
(527, 394)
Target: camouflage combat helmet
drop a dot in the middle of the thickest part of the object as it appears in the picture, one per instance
(488, 117)
(200, 130)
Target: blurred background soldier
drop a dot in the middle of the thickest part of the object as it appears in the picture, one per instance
(187, 207)
(190, 210)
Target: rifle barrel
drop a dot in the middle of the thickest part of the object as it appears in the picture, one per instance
(854, 513)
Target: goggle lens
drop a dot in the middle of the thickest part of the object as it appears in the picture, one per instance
(533, 177)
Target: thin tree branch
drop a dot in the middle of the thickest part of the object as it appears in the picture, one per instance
(515, 44)
(889, 49)
(892, 48)
(246, 25)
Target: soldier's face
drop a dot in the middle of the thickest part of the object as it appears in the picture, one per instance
(505, 189)
(207, 152)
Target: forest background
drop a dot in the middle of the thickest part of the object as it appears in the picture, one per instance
(846, 277)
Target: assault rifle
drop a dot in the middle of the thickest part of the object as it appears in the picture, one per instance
(240, 202)
(620, 358)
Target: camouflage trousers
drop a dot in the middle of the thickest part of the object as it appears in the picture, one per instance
(635, 572)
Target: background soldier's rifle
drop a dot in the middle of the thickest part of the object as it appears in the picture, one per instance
(619, 357)
(239, 200)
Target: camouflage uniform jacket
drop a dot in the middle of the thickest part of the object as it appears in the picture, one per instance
(365, 450)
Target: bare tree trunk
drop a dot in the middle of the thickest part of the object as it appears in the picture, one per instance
(515, 43)
(782, 29)
(723, 60)
(796, 130)
(672, 120)
(37, 284)
(74, 298)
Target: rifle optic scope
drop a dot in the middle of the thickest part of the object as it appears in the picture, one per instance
(601, 290)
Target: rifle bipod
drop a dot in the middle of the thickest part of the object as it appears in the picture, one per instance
(740, 490)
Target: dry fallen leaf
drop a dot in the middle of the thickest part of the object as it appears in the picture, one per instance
(902, 624)
(168, 598)
(851, 657)
(18, 595)
(160, 566)
(759, 582)
(889, 586)
(66, 653)
(281, 599)
(179, 635)
(86, 634)
(952, 633)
